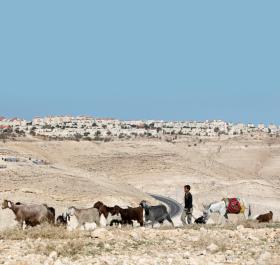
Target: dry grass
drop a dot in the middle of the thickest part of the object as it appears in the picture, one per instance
(256, 225)
(231, 226)
(69, 248)
(116, 242)
(56, 233)
(44, 239)
(43, 232)
(87, 247)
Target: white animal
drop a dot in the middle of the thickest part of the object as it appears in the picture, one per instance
(82, 216)
(221, 208)
(73, 224)
(103, 221)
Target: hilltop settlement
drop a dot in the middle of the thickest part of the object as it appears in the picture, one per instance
(91, 128)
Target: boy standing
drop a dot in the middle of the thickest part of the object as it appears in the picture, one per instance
(187, 212)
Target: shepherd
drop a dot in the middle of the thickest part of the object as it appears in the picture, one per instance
(188, 209)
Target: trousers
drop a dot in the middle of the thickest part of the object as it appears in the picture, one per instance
(187, 213)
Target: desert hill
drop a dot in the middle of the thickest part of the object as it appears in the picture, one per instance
(122, 172)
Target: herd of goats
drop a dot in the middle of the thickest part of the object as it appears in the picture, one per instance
(98, 215)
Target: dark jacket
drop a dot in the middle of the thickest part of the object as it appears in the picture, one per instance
(188, 200)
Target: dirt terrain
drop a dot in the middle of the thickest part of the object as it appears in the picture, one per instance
(232, 244)
(123, 172)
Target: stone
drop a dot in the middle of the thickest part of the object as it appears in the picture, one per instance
(265, 256)
(48, 261)
(240, 228)
(58, 262)
(107, 246)
(53, 255)
(250, 262)
(186, 255)
(212, 248)
(135, 236)
(203, 230)
(99, 233)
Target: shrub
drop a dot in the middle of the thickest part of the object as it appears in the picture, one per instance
(216, 129)
(98, 138)
(121, 136)
(97, 133)
(78, 136)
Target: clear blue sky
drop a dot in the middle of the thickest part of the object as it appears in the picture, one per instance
(172, 60)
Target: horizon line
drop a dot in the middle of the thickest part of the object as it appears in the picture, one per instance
(150, 119)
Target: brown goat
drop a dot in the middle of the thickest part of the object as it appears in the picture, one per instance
(103, 209)
(130, 214)
(30, 214)
(265, 218)
(98, 205)
(51, 212)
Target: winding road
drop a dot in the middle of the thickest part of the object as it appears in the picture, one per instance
(175, 208)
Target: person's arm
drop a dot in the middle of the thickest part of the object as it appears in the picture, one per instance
(186, 200)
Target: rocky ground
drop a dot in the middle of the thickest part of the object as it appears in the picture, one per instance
(249, 243)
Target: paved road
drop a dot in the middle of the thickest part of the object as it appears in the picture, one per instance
(175, 208)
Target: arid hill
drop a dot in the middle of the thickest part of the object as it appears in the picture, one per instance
(123, 172)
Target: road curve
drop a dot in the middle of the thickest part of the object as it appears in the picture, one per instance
(175, 208)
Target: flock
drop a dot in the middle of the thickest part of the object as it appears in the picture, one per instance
(30, 215)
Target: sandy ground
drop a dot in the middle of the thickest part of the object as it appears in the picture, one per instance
(122, 172)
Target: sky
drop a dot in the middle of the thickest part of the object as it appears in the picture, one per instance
(169, 60)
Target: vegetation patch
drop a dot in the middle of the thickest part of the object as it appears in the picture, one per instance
(43, 232)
